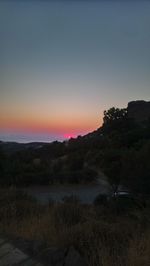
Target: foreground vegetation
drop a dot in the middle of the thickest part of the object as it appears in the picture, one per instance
(108, 233)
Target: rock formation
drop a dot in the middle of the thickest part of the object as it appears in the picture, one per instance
(139, 111)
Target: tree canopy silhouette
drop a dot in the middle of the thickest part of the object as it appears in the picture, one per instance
(114, 114)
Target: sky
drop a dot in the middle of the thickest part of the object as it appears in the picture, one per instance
(62, 63)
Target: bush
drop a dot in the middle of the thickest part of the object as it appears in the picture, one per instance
(67, 214)
(101, 199)
(71, 199)
(16, 204)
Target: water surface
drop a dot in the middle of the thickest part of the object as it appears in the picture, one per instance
(86, 193)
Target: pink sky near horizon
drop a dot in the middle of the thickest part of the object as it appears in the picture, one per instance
(63, 126)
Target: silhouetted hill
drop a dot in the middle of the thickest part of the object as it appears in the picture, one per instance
(12, 147)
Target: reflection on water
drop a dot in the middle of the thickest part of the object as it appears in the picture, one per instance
(86, 193)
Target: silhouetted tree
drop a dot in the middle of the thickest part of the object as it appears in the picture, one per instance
(115, 119)
(114, 114)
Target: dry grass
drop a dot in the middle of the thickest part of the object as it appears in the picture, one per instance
(139, 250)
(102, 239)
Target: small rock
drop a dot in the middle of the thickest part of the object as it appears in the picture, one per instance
(73, 258)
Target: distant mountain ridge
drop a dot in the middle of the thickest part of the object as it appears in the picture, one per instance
(11, 147)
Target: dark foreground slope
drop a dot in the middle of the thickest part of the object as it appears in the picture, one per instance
(107, 234)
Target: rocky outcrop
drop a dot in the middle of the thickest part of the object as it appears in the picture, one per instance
(73, 258)
(12, 256)
(62, 257)
(53, 256)
(139, 111)
(20, 252)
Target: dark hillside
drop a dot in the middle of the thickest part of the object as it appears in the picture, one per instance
(120, 148)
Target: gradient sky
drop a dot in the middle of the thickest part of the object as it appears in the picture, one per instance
(62, 63)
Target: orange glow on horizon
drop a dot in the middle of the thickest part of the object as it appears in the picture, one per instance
(58, 125)
(67, 125)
